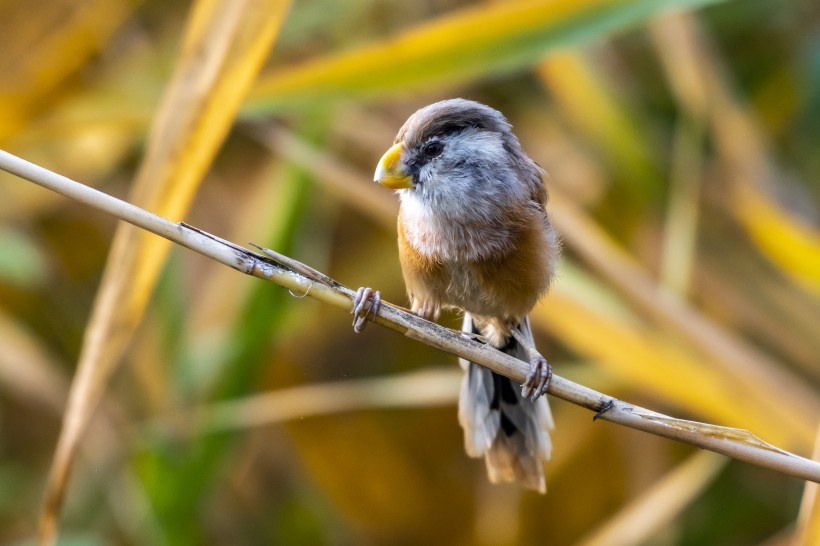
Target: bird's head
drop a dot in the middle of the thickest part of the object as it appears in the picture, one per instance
(454, 152)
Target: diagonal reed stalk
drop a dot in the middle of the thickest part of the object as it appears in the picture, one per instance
(300, 278)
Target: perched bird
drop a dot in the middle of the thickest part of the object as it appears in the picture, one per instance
(474, 235)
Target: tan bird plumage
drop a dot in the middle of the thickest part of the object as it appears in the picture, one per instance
(474, 235)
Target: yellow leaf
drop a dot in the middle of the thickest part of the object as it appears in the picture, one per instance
(783, 238)
(654, 509)
(225, 44)
(646, 359)
(584, 97)
(465, 43)
(40, 52)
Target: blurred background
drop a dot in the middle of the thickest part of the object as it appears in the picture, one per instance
(680, 142)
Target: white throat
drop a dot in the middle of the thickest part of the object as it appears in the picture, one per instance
(452, 238)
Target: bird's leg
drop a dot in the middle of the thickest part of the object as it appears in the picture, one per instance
(540, 370)
(366, 303)
(430, 309)
(427, 308)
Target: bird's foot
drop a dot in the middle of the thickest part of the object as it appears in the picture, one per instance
(365, 304)
(538, 380)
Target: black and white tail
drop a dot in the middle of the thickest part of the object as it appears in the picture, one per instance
(511, 432)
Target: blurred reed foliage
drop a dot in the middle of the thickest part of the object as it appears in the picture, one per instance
(682, 159)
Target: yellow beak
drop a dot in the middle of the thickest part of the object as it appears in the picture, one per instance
(390, 172)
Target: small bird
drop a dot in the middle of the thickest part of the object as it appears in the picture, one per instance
(474, 236)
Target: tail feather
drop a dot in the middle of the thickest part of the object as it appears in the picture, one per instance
(511, 432)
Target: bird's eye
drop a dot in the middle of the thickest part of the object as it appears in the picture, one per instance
(434, 148)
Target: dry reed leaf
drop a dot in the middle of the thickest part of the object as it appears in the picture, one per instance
(224, 47)
(680, 229)
(673, 39)
(31, 375)
(584, 98)
(758, 373)
(748, 369)
(776, 311)
(422, 388)
(42, 55)
(344, 182)
(214, 318)
(41, 52)
(656, 508)
(26, 369)
(647, 361)
(697, 77)
(215, 312)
